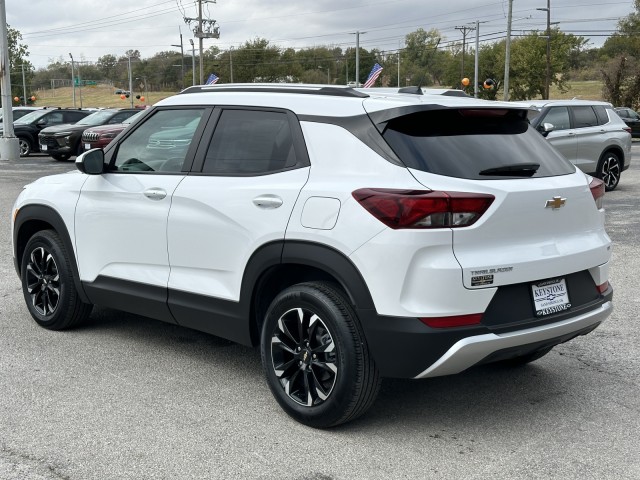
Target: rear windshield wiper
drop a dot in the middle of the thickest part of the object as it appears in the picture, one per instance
(515, 170)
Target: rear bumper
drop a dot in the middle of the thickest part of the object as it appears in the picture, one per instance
(403, 347)
(473, 350)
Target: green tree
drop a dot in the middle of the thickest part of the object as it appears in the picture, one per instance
(18, 54)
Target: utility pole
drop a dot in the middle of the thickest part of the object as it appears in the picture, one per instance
(464, 30)
(357, 34)
(475, 70)
(205, 28)
(231, 63)
(130, 83)
(73, 80)
(547, 83)
(24, 88)
(507, 56)
(181, 56)
(9, 145)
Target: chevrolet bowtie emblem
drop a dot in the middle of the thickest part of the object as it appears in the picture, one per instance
(556, 203)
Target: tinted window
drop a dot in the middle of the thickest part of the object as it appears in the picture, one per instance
(464, 143)
(72, 117)
(558, 117)
(250, 142)
(160, 144)
(584, 117)
(601, 114)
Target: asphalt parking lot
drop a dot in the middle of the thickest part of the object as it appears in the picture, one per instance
(125, 397)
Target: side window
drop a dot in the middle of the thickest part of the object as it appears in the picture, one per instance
(601, 114)
(72, 117)
(584, 117)
(120, 117)
(559, 117)
(160, 144)
(623, 112)
(250, 142)
(53, 118)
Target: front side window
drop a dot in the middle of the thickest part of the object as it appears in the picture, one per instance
(250, 143)
(558, 117)
(160, 144)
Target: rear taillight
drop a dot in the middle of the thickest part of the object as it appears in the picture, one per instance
(627, 129)
(399, 209)
(603, 287)
(597, 190)
(453, 321)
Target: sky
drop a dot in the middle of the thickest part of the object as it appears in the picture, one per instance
(89, 29)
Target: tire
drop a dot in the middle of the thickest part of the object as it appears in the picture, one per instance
(25, 146)
(528, 358)
(47, 283)
(61, 157)
(609, 170)
(315, 356)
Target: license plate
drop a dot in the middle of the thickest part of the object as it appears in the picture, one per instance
(550, 296)
(87, 146)
(43, 148)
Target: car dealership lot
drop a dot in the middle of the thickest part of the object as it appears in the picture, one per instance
(128, 397)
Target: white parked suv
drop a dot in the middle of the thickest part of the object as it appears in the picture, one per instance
(350, 234)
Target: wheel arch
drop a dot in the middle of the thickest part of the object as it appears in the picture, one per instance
(298, 262)
(617, 149)
(34, 218)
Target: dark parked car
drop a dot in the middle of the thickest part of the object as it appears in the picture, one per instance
(28, 127)
(631, 118)
(62, 141)
(101, 136)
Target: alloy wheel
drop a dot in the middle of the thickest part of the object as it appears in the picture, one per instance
(610, 171)
(43, 281)
(304, 357)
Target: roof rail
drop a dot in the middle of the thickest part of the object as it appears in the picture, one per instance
(278, 88)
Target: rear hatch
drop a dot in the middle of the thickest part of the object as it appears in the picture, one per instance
(543, 224)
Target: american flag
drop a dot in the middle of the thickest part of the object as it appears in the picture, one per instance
(213, 78)
(373, 76)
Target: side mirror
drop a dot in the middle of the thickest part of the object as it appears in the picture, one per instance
(546, 128)
(91, 162)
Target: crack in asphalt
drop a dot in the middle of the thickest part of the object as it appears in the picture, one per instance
(16, 465)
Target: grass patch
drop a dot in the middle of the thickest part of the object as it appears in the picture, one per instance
(99, 96)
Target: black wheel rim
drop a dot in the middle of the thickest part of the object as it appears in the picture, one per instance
(304, 358)
(610, 171)
(43, 282)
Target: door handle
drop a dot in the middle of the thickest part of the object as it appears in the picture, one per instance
(268, 201)
(155, 193)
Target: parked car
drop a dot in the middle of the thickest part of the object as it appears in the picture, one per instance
(350, 234)
(631, 118)
(588, 133)
(62, 141)
(28, 127)
(101, 136)
(19, 112)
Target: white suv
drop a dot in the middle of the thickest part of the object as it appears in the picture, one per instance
(351, 234)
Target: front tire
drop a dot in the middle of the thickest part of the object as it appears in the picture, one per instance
(315, 356)
(61, 157)
(609, 170)
(25, 146)
(47, 283)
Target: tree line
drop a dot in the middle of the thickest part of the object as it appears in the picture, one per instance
(422, 61)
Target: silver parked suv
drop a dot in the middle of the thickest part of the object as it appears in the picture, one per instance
(588, 133)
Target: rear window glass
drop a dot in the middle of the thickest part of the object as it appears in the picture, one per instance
(474, 144)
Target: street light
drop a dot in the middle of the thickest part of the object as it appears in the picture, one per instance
(548, 77)
(73, 80)
(193, 62)
(328, 79)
